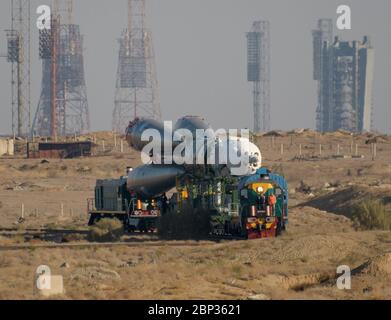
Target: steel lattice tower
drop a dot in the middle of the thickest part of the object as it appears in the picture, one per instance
(19, 56)
(258, 72)
(136, 86)
(322, 38)
(344, 71)
(63, 105)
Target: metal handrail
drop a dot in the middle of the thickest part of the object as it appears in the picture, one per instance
(91, 205)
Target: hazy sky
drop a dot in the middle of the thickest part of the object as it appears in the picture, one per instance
(200, 48)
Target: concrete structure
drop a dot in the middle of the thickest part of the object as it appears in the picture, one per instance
(344, 71)
(258, 72)
(6, 147)
(59, 150)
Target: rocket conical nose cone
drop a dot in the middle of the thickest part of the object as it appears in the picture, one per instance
(136, 129)
(153, 180)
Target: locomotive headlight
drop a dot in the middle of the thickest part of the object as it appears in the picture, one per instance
(259, 189)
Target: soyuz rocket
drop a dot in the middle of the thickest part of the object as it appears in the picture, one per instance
(157, 177)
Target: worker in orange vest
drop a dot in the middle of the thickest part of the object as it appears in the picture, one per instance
(272, 200)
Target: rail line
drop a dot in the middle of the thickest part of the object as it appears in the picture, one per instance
(54, 240)
(27, 231)
(100, 245)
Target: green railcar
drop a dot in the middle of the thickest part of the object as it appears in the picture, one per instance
(113, 200)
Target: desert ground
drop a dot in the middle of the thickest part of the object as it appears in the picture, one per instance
(325, 182)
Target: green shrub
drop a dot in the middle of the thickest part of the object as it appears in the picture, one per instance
(237, 270)
(371, 215)
(187, 224)
(106, 230)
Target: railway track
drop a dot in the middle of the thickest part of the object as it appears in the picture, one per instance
(86, 245)
(5, 231)
(54, 235)
(54, 238)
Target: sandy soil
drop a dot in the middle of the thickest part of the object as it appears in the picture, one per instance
(301, 264)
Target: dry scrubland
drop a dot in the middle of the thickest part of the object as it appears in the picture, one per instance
(324, 231)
